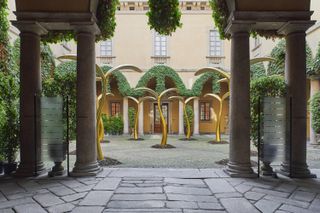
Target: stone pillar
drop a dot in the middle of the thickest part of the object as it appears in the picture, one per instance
(30, 84)
(239, 149)
(140, 122)
(295, 75)
(86, 162)
(314, 88)
(125, 116)
(196, 116)
(181, 126)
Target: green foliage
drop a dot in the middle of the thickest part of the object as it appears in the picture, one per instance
(259, 88)
(9, 125)
(220, 16)
(315, 68)
(200, 82)
(164, 16)
(122, 82)
(63, 84)
(277, 67)
(315, 111)
(131, 114)
(105, 21)
(4, 36)
(190, 116)
(160, 73)
(257, 70)
(113, 124)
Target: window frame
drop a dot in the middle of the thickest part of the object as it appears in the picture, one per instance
(111, 109)
(162, 47)
(213, 41)
(106, 47)
(204, 119)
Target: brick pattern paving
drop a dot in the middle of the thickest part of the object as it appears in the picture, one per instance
(159, 190)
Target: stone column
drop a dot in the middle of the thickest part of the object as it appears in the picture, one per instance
(196, 116)
(181, 126)
(125, 116)
(86, 162)
(239, 149)
(30, 84)
(314, 88)
(140, 121)
(295, 75)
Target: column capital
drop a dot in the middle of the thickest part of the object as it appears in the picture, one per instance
(295, 27)
(239, 27)
(30, 26)
(86, 27)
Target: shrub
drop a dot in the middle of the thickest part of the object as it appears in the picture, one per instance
(263, 87)
(257, 70)
(113, 125)
(315, 69)
(315, 110)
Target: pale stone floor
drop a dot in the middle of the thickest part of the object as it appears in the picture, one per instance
(206, 188)
(153, 190)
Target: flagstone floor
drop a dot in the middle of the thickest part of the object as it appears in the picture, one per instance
(162, 190)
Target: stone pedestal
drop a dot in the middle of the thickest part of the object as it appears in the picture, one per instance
(295, 75)
(30, 84)
(196, 116)
(86, 162)
(239, 149)
(181, 124)
(125, 116)
(140, 121)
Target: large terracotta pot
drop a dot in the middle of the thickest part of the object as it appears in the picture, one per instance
(74, 6)
(268, 5)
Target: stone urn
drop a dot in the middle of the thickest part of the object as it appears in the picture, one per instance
(269, 5)
(64, 6)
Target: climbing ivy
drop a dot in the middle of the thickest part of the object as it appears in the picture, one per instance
(262, 87)
(199, 83)
(160, 73)
(220, 14)
(315, 68)
(164, 16)
(105, 21)
(315, 111)
(4, 36)
(257, 70)
(279, 54)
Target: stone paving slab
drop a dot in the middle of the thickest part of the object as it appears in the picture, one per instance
(159, 191)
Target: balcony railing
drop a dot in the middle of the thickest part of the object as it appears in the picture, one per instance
(160, 59)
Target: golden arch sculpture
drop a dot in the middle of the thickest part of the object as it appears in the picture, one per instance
(158, 97)
(185, 102)
(138, 102)
(103, 77)
(226, 78)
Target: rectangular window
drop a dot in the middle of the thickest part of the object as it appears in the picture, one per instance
(106, 48)
(205, 111)
(115, 108)
(215, 43)
(160, 45)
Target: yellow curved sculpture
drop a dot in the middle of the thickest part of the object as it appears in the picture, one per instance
(138, 102)
(163, 121)
(103, 77)
(226, 78)
(185, 102)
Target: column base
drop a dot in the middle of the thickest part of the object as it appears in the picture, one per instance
(28, 170)
(297, 171)
(237, 170)
(91, 169)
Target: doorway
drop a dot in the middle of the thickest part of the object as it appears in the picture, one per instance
(157, 122)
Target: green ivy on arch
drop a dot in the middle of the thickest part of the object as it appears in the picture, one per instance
(199, 83)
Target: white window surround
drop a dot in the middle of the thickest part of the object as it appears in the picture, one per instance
(215, 44)
(106, 48)
(160, 45)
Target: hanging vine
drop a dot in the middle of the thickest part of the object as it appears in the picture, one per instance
(164, 16)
